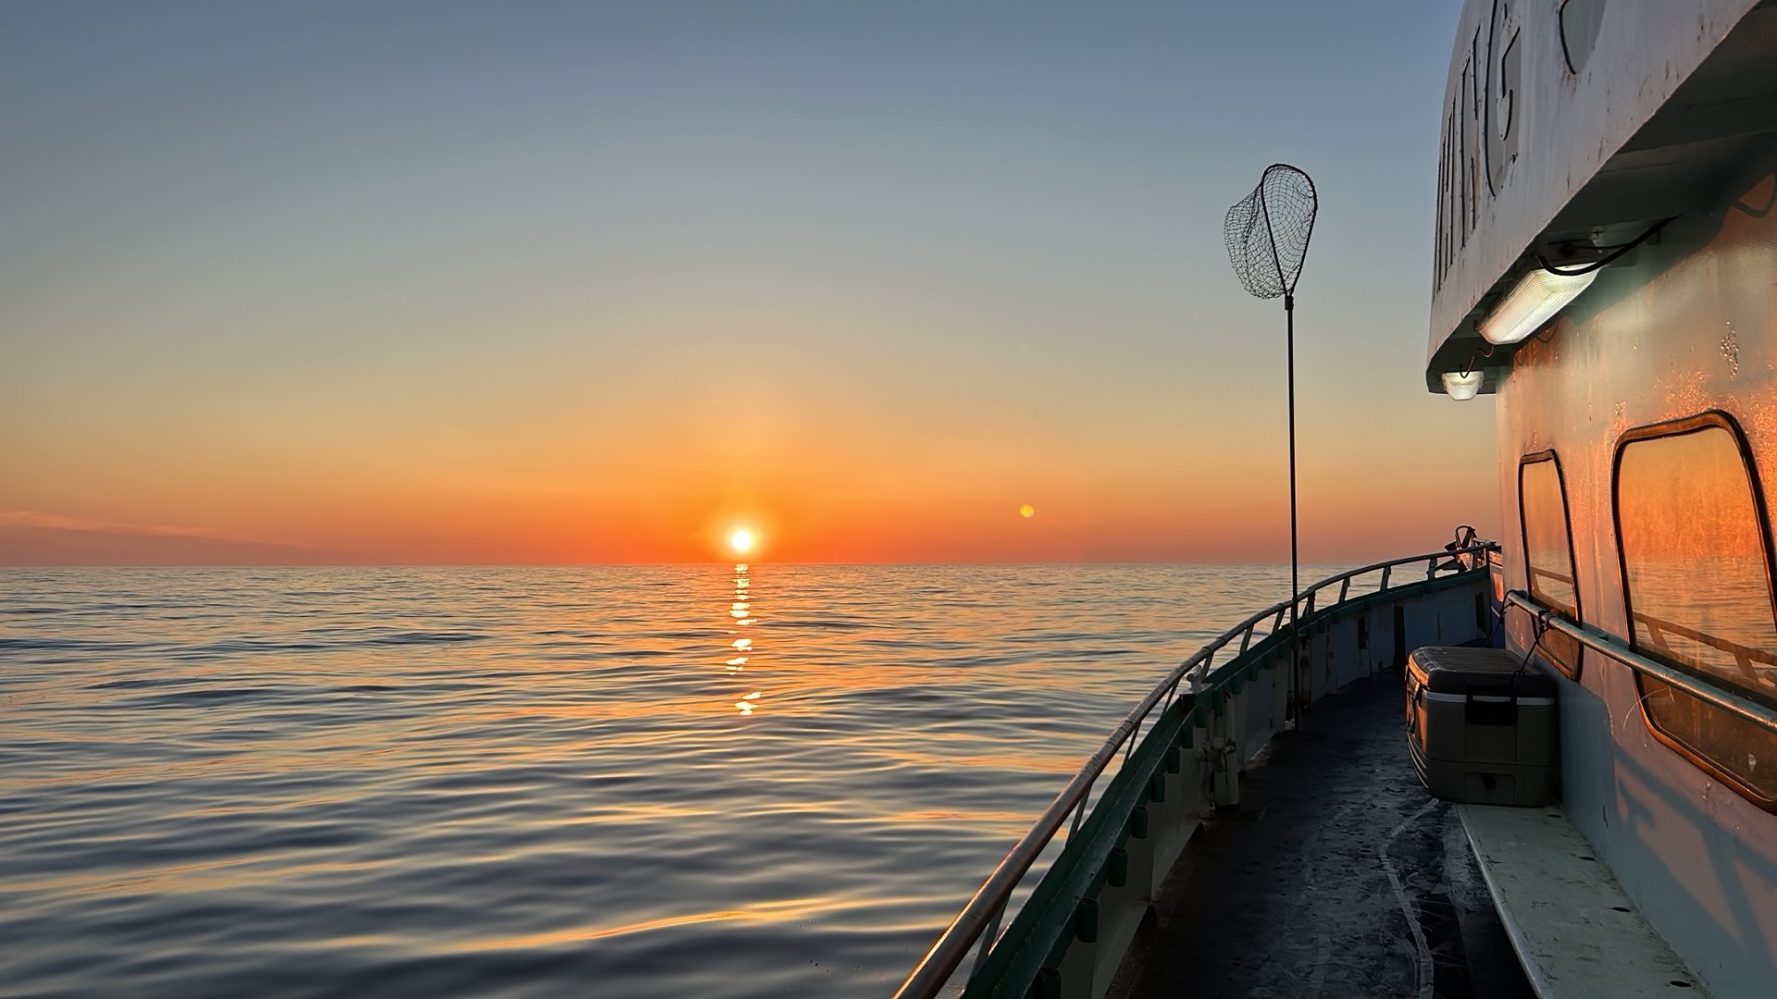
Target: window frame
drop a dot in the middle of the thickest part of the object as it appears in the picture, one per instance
(1709, 419)
(1573, 562)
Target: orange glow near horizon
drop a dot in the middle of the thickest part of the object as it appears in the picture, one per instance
(939, 516)
(823, 475)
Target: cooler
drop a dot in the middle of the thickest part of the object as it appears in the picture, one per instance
(1478, 729)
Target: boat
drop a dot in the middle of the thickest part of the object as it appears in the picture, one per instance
(1604, 266)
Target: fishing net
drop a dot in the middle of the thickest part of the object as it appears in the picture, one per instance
(1268, 231)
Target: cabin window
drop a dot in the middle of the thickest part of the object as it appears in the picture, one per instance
(1548, 552)
(1697, 584)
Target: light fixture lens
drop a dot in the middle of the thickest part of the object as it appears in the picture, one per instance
(1462, 386)
(1537, 298)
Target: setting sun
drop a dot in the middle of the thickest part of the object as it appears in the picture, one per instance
(741, 541)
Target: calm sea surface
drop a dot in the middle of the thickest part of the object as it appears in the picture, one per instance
(615, 781)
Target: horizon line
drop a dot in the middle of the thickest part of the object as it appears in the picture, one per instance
(637, 565)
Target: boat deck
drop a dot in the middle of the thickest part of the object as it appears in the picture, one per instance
(1352, 880)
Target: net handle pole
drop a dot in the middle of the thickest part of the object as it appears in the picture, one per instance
(1289, 312)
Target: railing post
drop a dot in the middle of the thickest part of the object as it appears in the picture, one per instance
(993, 931)
(1344, 588)
(1080, 813)
(1384, 587)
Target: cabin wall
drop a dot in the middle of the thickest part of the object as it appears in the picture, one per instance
(1508, 168)
(1685, 324)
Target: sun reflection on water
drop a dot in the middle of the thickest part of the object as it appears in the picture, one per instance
(740, 612)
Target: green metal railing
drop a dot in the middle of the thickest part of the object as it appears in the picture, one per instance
(1151, 739)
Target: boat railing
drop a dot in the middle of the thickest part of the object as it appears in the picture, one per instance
(1610, 646)
(1745, 656)
(978, 924)
(1550, 574)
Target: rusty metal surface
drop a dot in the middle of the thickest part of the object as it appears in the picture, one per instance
(1687, 324)
(1562, 117)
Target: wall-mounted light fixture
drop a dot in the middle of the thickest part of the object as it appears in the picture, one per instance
(1536, 299)
(1462, 385)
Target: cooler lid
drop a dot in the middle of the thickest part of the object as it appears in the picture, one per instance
(1466, 669)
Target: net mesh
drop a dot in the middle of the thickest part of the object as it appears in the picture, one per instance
(1268, 231)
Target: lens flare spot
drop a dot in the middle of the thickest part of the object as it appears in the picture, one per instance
(1027, 511)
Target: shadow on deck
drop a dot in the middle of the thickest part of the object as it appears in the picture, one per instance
(1339, 876)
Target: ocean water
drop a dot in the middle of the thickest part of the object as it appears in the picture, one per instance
(677, 781)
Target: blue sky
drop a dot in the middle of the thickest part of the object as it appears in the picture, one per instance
(289, 273)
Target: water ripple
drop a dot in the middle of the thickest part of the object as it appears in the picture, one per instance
(639, 782)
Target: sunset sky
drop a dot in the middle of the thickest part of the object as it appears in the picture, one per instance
(575, 282)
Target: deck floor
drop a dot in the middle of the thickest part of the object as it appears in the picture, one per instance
(1339, 876)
